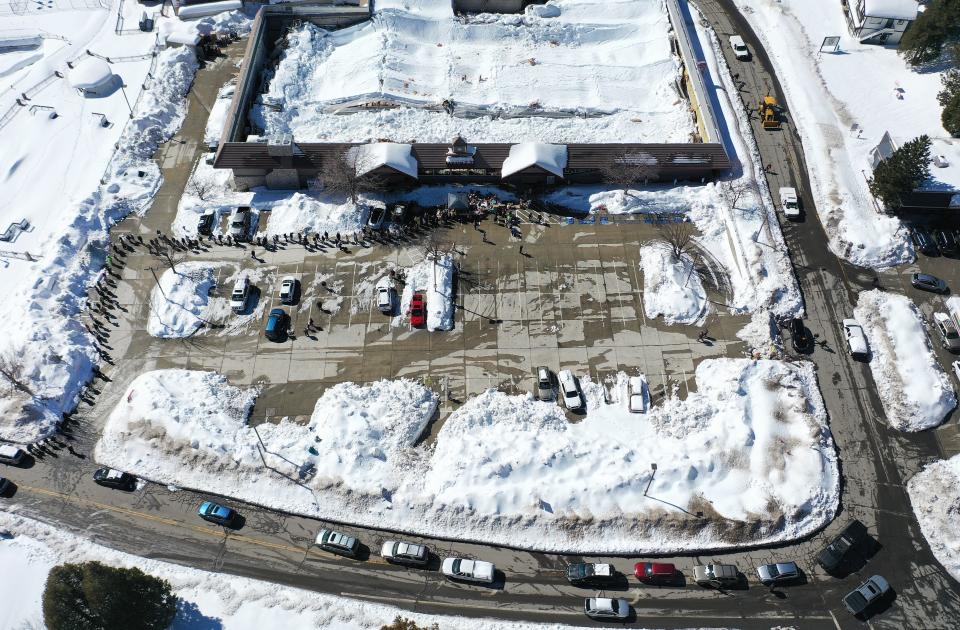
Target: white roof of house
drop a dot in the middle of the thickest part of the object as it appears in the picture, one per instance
(892, 9)
(396, 156)
(19, 38)
(208, 8)
(549, 157)
(90, 73)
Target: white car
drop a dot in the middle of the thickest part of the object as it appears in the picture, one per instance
(606, 608)
(288, 290)
(385, 299)
(400, 552)
(569, 390)
(949, 337)
(956, 369)
(239, 295)
(740, 50)
(856, 340)
(468, 570)
(790, 203)
(639, 395)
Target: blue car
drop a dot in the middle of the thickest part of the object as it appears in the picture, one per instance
(276, 325)
(216, 513)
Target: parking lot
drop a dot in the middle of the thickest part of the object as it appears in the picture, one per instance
(573, 299)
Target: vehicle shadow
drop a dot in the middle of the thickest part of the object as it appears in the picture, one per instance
(880, 606)
(253, 300)
(237, 523)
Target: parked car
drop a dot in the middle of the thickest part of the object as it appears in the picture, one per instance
(5, 486)
(468, 570)
(240, 293)
(591, 574)
(376, 217)
(790, 203)
(835, 554)
(205, 223)
(716, 575)
(569, 390)
(655, 572)
(288, 290)
(639, 395)
(276, 328)
(778, 572)
(927, 282)
(856, 340)
(740, 50)
(545, 389)
(114, 479)
(385, 298)
(418, 311)
(399, 214)
(949, 337)
(400, 552)
(338, 543)
(800, 337)
(606, 608)
(923, 242)
(216, 513)
(946, 242)
(10, 454)
(240, 223)
(956, 369)
(861, 598)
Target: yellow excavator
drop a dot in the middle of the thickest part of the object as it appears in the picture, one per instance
(769, 113)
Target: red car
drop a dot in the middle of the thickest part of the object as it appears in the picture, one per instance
(418, 311)
(655, 572)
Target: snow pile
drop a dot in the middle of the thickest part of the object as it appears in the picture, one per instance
(842, 104)
(671, 286)
(177, 305)
(427, 75)
(218, 113)
(54, 351)
(372, 156)
(935, 496)
(749, 449)
(915, 392)
(762, 335)
(550, 157)
(434, 278)
(29, 549)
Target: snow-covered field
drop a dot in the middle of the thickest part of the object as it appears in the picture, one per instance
(671, 286)
(178, 303)
(935, 496)
(842, 104)
(750, 450)
(28, 550)
(915, 392)
(499, 73)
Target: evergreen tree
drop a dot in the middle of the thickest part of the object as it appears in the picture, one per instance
(94, 596)
(949, 98)
(902, 172)
(931, 31)
(402, 623)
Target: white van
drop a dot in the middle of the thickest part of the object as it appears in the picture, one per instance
(740, 50)
(10, 454)
(241, 291)
(571, 393)
(790, 203)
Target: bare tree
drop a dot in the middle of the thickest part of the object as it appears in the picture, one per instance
(12, 371)
(735, 190)
(628, 168)
(169, 256)
(199, 188)
(345, 173)
(679, 236)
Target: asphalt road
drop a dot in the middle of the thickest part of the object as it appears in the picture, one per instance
(159, 523)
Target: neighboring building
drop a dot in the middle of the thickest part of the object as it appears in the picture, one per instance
(932, 205)
(881, 21)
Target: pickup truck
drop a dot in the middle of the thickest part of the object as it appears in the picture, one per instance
(834, 555)
(867, 593)
(716, 575)
(591, 573)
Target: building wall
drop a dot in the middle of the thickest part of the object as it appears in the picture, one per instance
(488, 6)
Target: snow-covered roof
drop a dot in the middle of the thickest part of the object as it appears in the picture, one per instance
(208, 8)
(19, 39)
(183, 38)
(549, 157)
(90, 73)
(891, 9)
(396, 156)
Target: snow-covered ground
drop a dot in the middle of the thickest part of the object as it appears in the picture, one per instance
(434, 278)
(749, 449)
(671, 286)
(915, 392)
(29, 549)
(178, 303)
(618, 70)
(71, 177)
(935, 496)
(842, 104)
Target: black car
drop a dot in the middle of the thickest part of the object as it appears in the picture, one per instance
(205, 224)
(947, 242)
(923, 241)
(799, 335)
(115, 479)
(591, 574)
(835, 554)
(927, 282)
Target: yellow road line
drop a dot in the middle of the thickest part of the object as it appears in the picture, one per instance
(215, 533)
